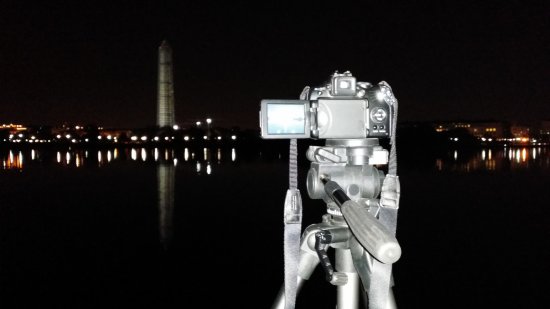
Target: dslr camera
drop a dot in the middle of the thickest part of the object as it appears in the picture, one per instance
(343, 108)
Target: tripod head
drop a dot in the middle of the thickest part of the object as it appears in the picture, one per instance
(349, 164)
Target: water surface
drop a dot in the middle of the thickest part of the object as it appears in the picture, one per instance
(143, 227)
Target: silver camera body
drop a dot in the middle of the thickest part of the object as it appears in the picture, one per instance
(341, 109)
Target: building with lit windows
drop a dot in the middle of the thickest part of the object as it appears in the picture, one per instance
(479, 129)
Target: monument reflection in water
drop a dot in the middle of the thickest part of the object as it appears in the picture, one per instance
(166, 178)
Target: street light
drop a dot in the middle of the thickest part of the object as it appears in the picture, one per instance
(208, 122)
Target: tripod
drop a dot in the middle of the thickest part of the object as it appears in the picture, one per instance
(350, 225)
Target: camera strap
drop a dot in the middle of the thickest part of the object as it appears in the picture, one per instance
(381, 278)
(293, 228)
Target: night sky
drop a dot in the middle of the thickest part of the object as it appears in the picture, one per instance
(86, 62)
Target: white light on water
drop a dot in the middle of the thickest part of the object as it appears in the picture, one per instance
(143, 154)
(186, 154)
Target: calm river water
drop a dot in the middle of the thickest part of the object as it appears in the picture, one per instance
(166, 228)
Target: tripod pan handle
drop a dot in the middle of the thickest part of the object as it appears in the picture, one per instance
(370, 232)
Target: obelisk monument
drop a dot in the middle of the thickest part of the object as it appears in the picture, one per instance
(165, 104)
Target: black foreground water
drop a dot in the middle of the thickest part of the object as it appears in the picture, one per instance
(87, 229)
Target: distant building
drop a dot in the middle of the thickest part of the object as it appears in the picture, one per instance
(13, 128)
(544, 130)
(479, 129)
(520, 131)
(497, 130)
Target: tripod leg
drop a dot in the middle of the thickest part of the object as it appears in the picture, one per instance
(391, 301)
(348, 294)
(308, 261)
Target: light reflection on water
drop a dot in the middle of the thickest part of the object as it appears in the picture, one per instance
(457, 160)
(494, 159)
(14, 159)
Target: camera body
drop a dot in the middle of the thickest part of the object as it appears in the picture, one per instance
(341, 109)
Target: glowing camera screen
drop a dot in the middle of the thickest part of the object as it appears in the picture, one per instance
(284, 119)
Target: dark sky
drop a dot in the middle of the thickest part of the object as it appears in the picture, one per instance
(87, 62)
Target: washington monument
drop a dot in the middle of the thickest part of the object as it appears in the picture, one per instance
(165, 104)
